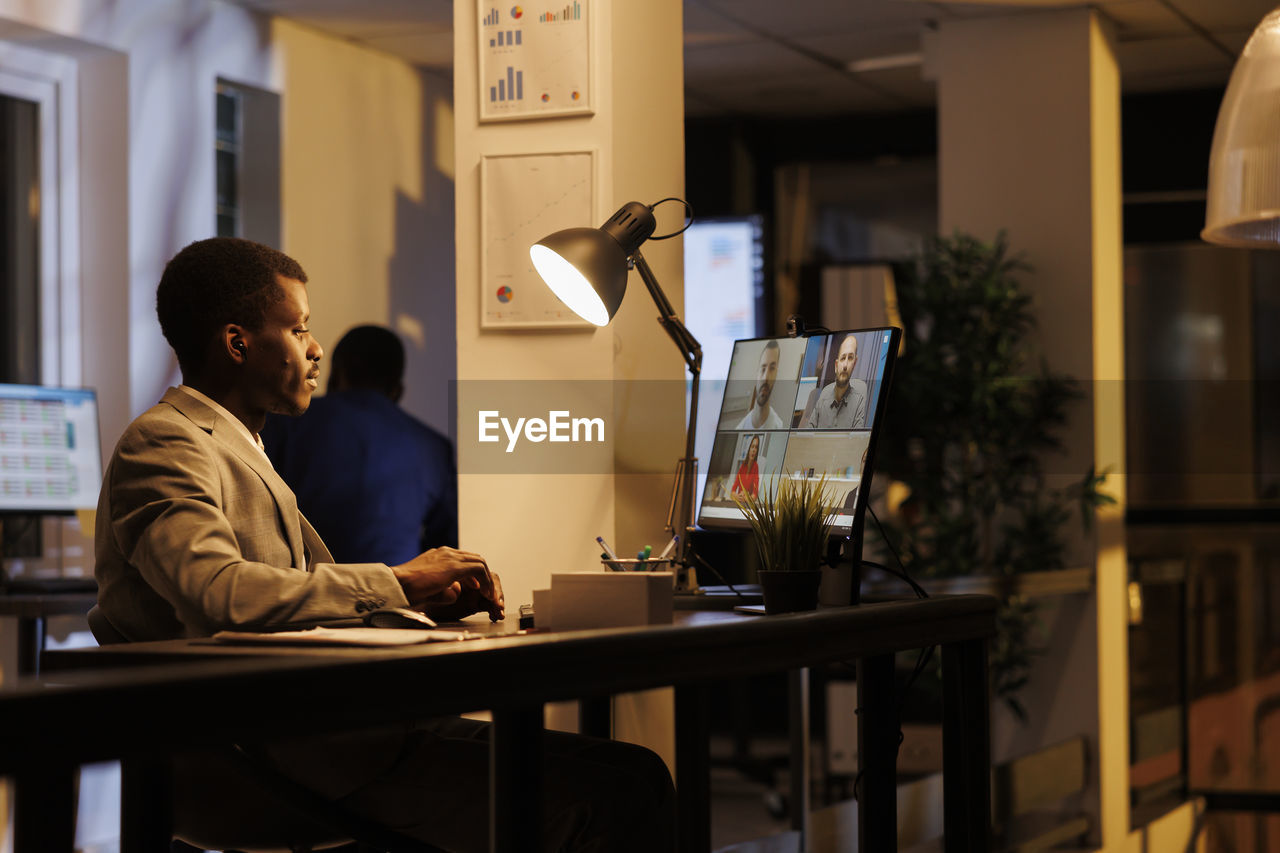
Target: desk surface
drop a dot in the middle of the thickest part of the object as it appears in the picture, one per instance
(197, 693)
(755, 643)
(190, 704)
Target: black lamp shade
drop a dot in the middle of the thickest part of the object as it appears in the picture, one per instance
(586, 268)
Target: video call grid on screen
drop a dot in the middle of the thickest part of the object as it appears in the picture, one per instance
(50, 460)
(782, 408)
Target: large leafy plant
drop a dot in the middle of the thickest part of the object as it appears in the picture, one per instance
(792, 524)
(973, 417)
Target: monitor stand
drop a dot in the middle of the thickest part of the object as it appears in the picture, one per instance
(852, 548)
(36, 586)
(722, 596)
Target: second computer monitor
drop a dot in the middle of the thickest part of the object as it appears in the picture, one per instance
(803, 408)
(49, 456)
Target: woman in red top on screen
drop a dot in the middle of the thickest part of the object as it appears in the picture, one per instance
(748, 479)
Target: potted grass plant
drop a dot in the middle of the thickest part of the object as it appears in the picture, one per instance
(790, 525)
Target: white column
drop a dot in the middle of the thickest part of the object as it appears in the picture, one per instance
(529, 525)
(1029, 142)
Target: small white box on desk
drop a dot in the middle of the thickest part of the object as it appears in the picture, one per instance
(608, 600)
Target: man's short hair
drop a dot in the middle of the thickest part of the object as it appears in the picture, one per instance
(214, 282)
(369, 357)
(769, 345)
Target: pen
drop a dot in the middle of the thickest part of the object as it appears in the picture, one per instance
(666, 552)
(607, 549)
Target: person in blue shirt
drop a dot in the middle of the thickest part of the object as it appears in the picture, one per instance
(376, 483)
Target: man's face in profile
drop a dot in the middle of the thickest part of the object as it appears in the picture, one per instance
(766, 375)
(281, 366)
(846, 360)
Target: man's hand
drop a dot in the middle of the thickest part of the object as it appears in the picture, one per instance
(450, 584)
(469, 601)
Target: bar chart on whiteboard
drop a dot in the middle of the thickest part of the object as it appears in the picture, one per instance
(535, 59)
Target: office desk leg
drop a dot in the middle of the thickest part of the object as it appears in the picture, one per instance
(146, 804)
(693, 768)
(515, 770)
(595, 717)
(798, 688)
(30, 643)
(966, 748)
(44, 809)
(877, 755)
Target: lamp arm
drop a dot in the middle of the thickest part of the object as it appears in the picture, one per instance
(688, 345)
(686, 471)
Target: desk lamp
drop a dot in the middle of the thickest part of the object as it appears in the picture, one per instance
(1244, 164)
(587, 268)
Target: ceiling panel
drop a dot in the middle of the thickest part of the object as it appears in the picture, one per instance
(1172, 81)
(1218, 15)
(702, 26)
(1235, 41)
(790, 95)
(867, 44)
(809, 18)
(751, 59)
(747, 57)
(1177, 53)
(907, 86)
(1144, 19)
(786, 99)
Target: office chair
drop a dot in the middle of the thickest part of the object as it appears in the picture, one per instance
(287, 817)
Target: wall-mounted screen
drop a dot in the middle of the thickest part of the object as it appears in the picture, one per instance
(723, 286)
(723, 303)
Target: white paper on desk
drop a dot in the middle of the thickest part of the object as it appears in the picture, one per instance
(342, 637)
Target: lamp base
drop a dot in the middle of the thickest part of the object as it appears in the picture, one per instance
(680, 519)
(686, 579)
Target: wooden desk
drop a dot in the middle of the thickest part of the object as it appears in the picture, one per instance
(31, 610)
(222, 693)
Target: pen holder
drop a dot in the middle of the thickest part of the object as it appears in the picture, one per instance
(633, 565)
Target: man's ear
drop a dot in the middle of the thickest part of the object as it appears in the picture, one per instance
(233, 343)
(397, 392)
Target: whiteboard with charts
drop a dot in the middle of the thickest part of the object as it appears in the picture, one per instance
(535, 59)
(525, 198)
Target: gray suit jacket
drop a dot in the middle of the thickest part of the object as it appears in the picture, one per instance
(197, 533)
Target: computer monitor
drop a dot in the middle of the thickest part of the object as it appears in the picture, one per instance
(801, 407)
(50, 460)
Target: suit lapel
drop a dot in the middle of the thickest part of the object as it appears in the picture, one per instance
(317, 551)
(233, 441)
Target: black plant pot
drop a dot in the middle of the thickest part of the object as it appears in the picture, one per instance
(789, 592)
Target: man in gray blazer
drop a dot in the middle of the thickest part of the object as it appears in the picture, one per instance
(197, 533)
